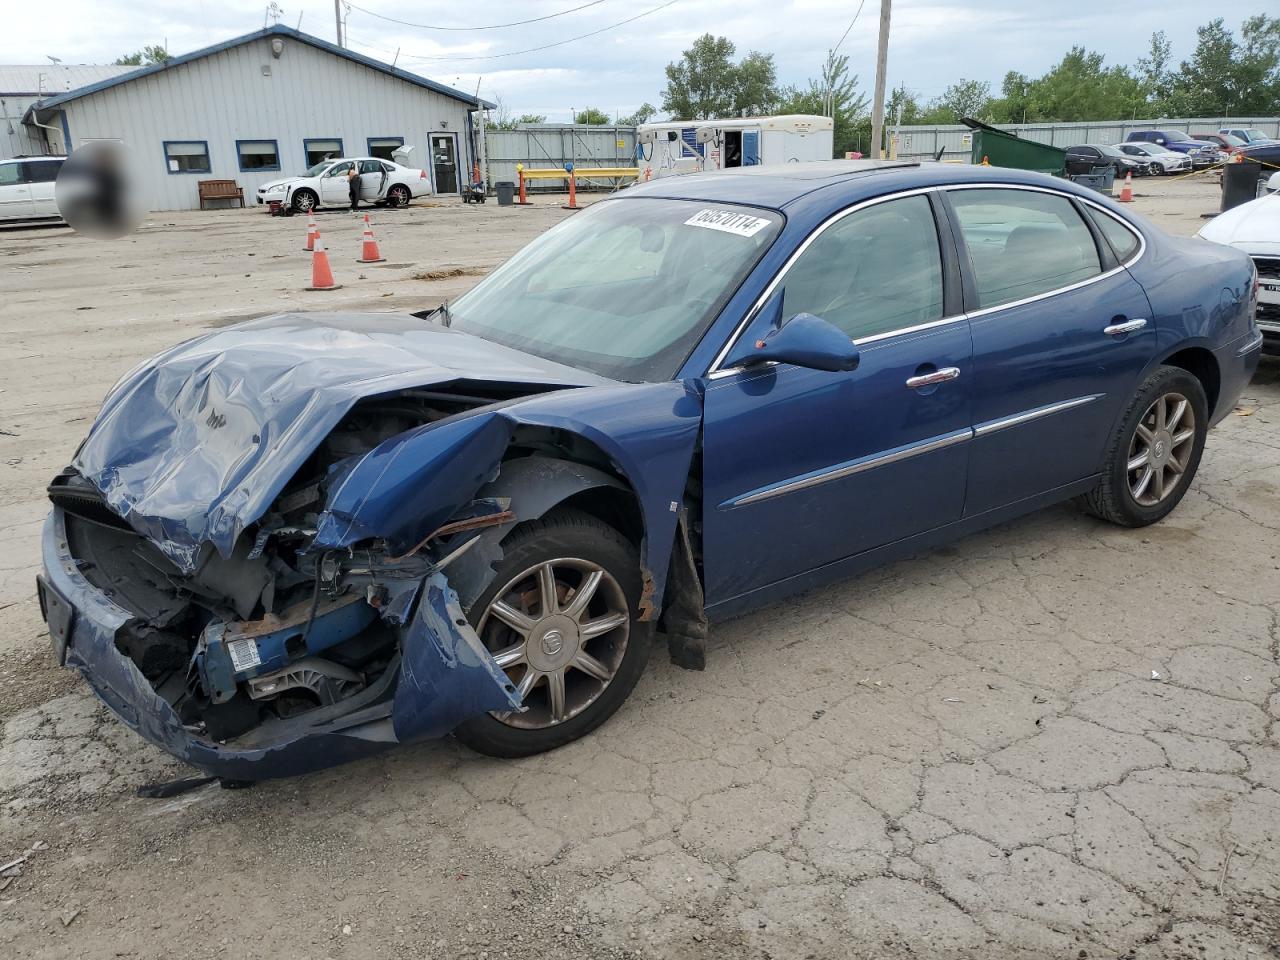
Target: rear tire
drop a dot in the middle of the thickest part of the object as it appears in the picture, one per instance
(1154, 452)
(572, 546)
(399, 196)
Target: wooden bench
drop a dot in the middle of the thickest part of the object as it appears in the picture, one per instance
(220, 190)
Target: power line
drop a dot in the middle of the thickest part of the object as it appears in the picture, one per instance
(490, 26)
(850, 27)
(548, 46)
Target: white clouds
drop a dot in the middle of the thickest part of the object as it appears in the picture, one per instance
(933, 43)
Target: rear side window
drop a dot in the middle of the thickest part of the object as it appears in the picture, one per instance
(10, 174)
(43, 171)
(1022, 243)
(873, 272)
(1124, 242)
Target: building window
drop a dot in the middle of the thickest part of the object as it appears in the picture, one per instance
(187, 156)
(319, 150)
(383, 147)
(258, 154)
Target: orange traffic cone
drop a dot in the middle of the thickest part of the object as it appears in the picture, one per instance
(321, 275)
(1126, 192)
(573, 193)
(370, 253)
(313, 233)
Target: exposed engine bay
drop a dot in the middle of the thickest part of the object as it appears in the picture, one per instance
(280, 629)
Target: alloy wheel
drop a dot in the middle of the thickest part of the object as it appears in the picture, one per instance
(559, 630)
(1161, 449)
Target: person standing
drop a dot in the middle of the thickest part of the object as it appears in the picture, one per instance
(353, 186)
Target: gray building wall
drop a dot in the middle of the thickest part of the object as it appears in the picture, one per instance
(245, 93)
(23, 85)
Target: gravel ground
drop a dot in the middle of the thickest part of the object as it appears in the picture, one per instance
(960, 755)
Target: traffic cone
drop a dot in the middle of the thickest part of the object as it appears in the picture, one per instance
(321, 275)
(573, 193)
(313, 233)
(1126, 192)
(524, 196)
(370, 253)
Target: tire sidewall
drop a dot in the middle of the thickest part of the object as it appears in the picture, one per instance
(315, 201)
(399, 196)
(1163, 380)
(564, 534)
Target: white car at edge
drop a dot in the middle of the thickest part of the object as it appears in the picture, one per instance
(1169, 161)
(26, 188)
(382, 182)
(1254, 228)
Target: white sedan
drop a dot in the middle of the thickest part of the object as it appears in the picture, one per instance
(26, 188)
(1254, 227)
(325, 185)
(1165, 160)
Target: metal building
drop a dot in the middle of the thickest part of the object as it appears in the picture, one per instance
(21, 86)
(266, 104)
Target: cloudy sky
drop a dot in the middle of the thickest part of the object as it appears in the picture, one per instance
(933, 42)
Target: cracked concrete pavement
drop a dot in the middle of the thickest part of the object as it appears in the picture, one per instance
(963, 755)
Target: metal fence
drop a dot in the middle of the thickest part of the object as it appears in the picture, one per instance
(546, 146)
(954, 139)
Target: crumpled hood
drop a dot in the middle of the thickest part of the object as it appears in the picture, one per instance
(195, 444)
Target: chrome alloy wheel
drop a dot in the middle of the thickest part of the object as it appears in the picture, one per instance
(560, 631)
(1161, 448)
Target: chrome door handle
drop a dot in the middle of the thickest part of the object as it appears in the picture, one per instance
(1116, 329)
(929, 379)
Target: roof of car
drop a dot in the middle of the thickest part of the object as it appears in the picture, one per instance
(777, 186)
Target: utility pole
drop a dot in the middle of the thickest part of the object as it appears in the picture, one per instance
(882, 60)
(337, 20)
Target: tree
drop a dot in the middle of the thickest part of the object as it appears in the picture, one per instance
(144, 57)
(965, 98)
(643, 114)
(1080, 87)
(705, 82)
(592, 116)
(834, 93)
(1224, 76)
(1155, 73)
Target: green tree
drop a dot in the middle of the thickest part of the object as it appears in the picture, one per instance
(833, 93)
(1080, 87)
(965, 98)
(1013, 105)
(706, 83)
(145, 57)
(1224, 76)
(1155, 73)
(592, 115)
(643, 114)
(755, 87)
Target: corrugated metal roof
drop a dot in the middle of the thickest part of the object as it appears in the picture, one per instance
(51, 79)
(276, 30)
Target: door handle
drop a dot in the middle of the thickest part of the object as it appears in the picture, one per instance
(1116, 329)
(929, 379)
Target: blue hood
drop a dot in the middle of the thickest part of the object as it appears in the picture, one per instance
(195, 444)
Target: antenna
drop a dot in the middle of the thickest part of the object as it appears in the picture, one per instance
(274, 13)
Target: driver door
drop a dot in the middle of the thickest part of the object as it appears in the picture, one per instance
(333, 185)
(801, 467)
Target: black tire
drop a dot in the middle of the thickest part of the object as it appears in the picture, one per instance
(564, 533)
(399, 195)
(299, 201)
(1113, 499)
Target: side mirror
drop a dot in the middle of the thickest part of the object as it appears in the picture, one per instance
(804, 340)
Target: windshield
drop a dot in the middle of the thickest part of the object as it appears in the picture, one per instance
(1255, 135)
(1233, 141)
(1110, 152)
(316, 170)
(623, 289)
(1148, 148)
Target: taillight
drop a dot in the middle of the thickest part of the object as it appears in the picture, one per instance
(422, 174)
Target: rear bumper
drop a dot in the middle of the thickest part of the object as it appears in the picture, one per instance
(1237, 362)
(445, 676)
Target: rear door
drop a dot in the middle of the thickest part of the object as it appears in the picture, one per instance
(1061, 335)
(805, 467)
(373, 180)
(15, 192)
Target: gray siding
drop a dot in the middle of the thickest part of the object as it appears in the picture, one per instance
(225, 97)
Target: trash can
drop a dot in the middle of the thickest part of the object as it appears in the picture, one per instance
(1102, 179)
(506, 192)
(1240, 183)
(1002, 149)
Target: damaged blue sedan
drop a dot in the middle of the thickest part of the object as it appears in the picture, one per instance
(309, 537)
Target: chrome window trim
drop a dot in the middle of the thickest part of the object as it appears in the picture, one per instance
(715, 372)
(1035, 413)
(849, 468)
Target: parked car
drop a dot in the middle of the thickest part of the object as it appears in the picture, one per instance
(1208, 155)
(1162, 159)
(1254, 228)
(1225, 142)
(1249, 135)
(382, 182)
(26, 189)
(1267, 154)
(309, 537)
(1093, 156)
(1169, 139)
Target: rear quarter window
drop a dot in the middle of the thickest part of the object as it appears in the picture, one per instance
(1123, 241)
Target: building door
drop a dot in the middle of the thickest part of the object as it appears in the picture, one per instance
(750, 148)
(444, 162)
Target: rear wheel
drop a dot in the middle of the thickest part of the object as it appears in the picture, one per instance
(1155, 451)
(560, 618)
(399, 196)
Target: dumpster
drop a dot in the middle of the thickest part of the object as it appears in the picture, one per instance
(1240, 183)
(1001, 149)
(506, 192)
(1102, 179)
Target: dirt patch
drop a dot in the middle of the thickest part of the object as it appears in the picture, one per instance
(448, 273)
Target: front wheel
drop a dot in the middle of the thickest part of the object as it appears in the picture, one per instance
(1155, 451)
(304, 200)
(561, 619)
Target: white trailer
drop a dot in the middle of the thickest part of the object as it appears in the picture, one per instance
(690, 146)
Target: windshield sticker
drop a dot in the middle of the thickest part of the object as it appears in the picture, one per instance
(742, 224)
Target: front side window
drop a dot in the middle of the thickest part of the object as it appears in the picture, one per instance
(623, 289)
(1023, 243)
(10, 174)
(339, 169)
(320, 150)
(187, 156)
(872, 272)
(258, 154)
(43, 171)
